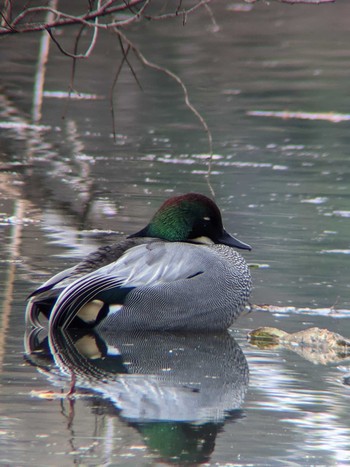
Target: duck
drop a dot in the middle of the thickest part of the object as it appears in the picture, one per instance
(179, 273)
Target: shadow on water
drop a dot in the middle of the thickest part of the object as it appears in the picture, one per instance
(176, 390)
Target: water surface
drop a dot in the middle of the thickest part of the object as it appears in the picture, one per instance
(283, 187)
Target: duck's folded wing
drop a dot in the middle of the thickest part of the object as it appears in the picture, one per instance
(144, 265)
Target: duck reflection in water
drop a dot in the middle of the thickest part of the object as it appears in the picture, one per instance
(176, 389)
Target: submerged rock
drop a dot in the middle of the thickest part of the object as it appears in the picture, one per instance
(319, 346)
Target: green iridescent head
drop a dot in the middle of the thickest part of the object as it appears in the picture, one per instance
(189, 218)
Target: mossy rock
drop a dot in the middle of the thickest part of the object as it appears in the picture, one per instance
(315, 344)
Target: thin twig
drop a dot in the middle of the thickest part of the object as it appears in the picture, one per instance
(75, 57)
(212, 17)
(175, 14)
(124, 58)
(126, 22)
(6, 14)
(73, 71)
(129, 64)
(60, 48)
(179, 7)
(89, 49)
(74, 61)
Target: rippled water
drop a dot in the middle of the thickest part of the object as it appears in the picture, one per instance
(283, 187)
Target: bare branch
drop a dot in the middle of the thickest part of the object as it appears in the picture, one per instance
(110, 8)
(64, 19)
(307, 2)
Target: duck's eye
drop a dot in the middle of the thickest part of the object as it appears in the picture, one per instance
(206, 218)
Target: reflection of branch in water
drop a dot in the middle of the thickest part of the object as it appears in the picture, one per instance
(71, 174)
(73, 437)
(15, 243)
(85, 181)
(41, 67)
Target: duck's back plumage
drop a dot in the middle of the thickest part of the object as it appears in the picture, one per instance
(161, 285)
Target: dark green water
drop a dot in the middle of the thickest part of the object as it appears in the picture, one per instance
(283, 187)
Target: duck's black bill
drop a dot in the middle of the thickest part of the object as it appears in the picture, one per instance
(227, 239)
(141, 233)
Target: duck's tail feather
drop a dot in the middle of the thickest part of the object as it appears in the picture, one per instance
(52, 282)
(39, 307)
(85, 302)
(43, 299)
